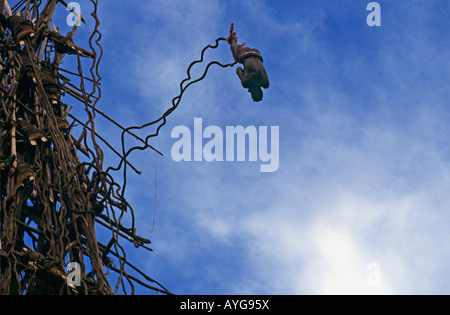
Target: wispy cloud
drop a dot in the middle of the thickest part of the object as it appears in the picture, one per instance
(363, 171)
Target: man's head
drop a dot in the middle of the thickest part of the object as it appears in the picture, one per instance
(257, 93)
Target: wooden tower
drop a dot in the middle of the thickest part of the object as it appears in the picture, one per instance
(55, 193)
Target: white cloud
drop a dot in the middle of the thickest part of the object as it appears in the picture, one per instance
(329, 251)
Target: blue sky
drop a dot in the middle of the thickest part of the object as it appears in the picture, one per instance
(364, 170)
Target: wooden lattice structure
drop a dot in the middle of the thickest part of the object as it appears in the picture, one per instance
(51, 200)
